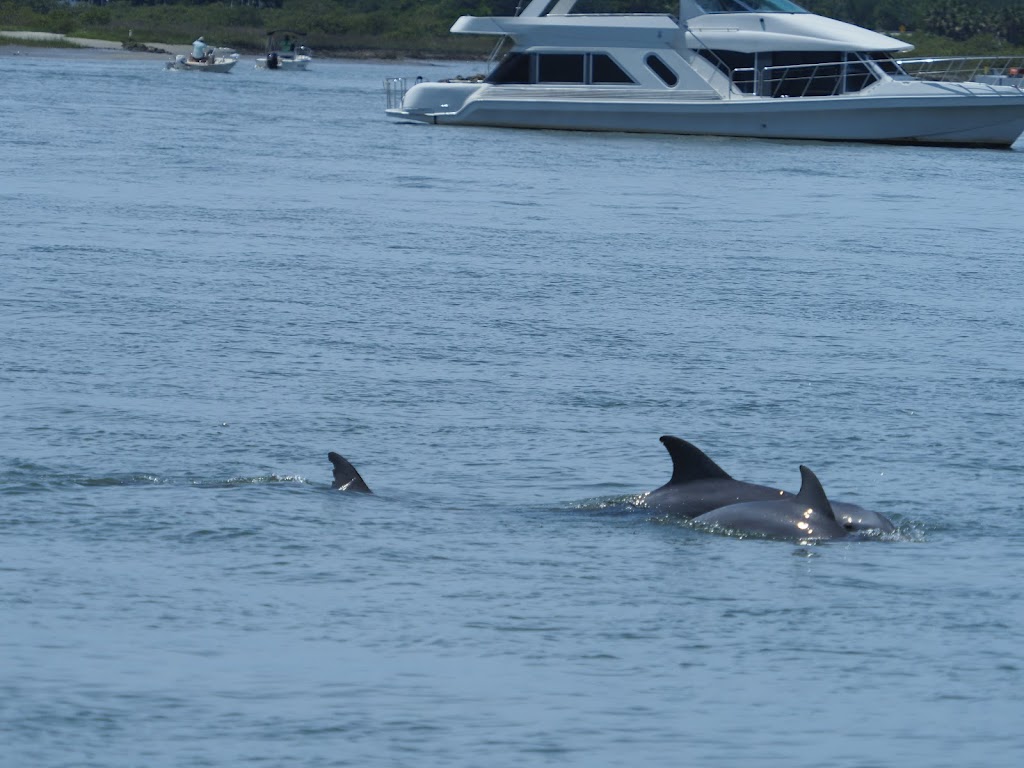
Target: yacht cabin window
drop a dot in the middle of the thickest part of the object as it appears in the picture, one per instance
(739, 65)
(515, 69)
(575, 68)
(661, 69)
(785, 74)
(750, 6)
(605, 70)
(886, 63)
(560, 68)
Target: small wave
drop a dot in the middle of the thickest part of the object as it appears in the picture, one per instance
(142, 479)
(235, 482)
(31, 479)
(720, 529)
(219, 535)
(910, 531)
(611, 504)
(903, 533)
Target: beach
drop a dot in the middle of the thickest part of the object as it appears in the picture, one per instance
(86, 46)
(107, 49)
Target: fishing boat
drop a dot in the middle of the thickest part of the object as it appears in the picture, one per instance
(285, 50)
(749, 68)
(217, 62)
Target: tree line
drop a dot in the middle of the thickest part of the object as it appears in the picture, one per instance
(421, 26)
(954, 19)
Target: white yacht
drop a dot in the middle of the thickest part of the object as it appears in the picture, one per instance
(755, 68)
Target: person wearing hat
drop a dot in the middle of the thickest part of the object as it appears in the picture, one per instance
(199, 49)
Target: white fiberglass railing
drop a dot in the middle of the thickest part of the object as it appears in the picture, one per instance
(961, 69)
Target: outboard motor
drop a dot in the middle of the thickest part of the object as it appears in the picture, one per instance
(272, 62)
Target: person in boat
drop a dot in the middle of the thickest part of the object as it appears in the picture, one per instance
(200, 50)
(287, 46)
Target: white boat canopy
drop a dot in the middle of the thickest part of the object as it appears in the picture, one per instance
(745, 26)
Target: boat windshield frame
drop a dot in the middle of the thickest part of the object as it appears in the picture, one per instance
(276, 36)
(750, 6)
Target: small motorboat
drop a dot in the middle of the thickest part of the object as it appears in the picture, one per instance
(285, 50)
(219, 61)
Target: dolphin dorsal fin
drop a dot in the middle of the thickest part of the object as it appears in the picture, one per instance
(812, 494)
(346, 478)
(690, 463)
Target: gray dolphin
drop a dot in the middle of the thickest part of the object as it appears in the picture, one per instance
(806, 516)
(699, 485)
(346, 478)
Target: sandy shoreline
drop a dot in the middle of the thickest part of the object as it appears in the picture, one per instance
(88, 46)
(107, 49)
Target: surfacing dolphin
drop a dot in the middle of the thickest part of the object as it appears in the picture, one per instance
(698, 485)
(806, 516)
(346, 478)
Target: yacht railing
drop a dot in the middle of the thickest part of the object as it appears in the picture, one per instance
(960, 69)
(394, 88)
(709, 55)
(497, 53)
(497, 50)
(803, 80)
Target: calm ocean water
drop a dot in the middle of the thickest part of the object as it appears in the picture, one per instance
(211, 281)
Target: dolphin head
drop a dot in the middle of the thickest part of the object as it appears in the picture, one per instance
(855, 518)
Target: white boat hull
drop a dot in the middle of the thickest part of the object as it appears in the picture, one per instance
(285, 63)
(991, 118)
(219, 64)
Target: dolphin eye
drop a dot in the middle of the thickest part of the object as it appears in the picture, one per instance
(849, 526)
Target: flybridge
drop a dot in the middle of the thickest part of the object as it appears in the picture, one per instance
(745, 6)
(565, 29)
(746, 26)
(687, 8)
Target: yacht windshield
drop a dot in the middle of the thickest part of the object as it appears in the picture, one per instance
(750, 6)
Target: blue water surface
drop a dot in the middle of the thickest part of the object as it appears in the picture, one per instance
(211, 281)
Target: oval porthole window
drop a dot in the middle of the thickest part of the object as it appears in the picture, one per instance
(660, 68)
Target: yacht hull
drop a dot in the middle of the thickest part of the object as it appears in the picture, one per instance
(912, 120)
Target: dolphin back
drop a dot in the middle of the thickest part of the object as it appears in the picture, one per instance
(346, 478)
(690, 463)
(808, 515)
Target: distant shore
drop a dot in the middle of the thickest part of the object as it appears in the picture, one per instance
(24, 43)
(51, 43)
